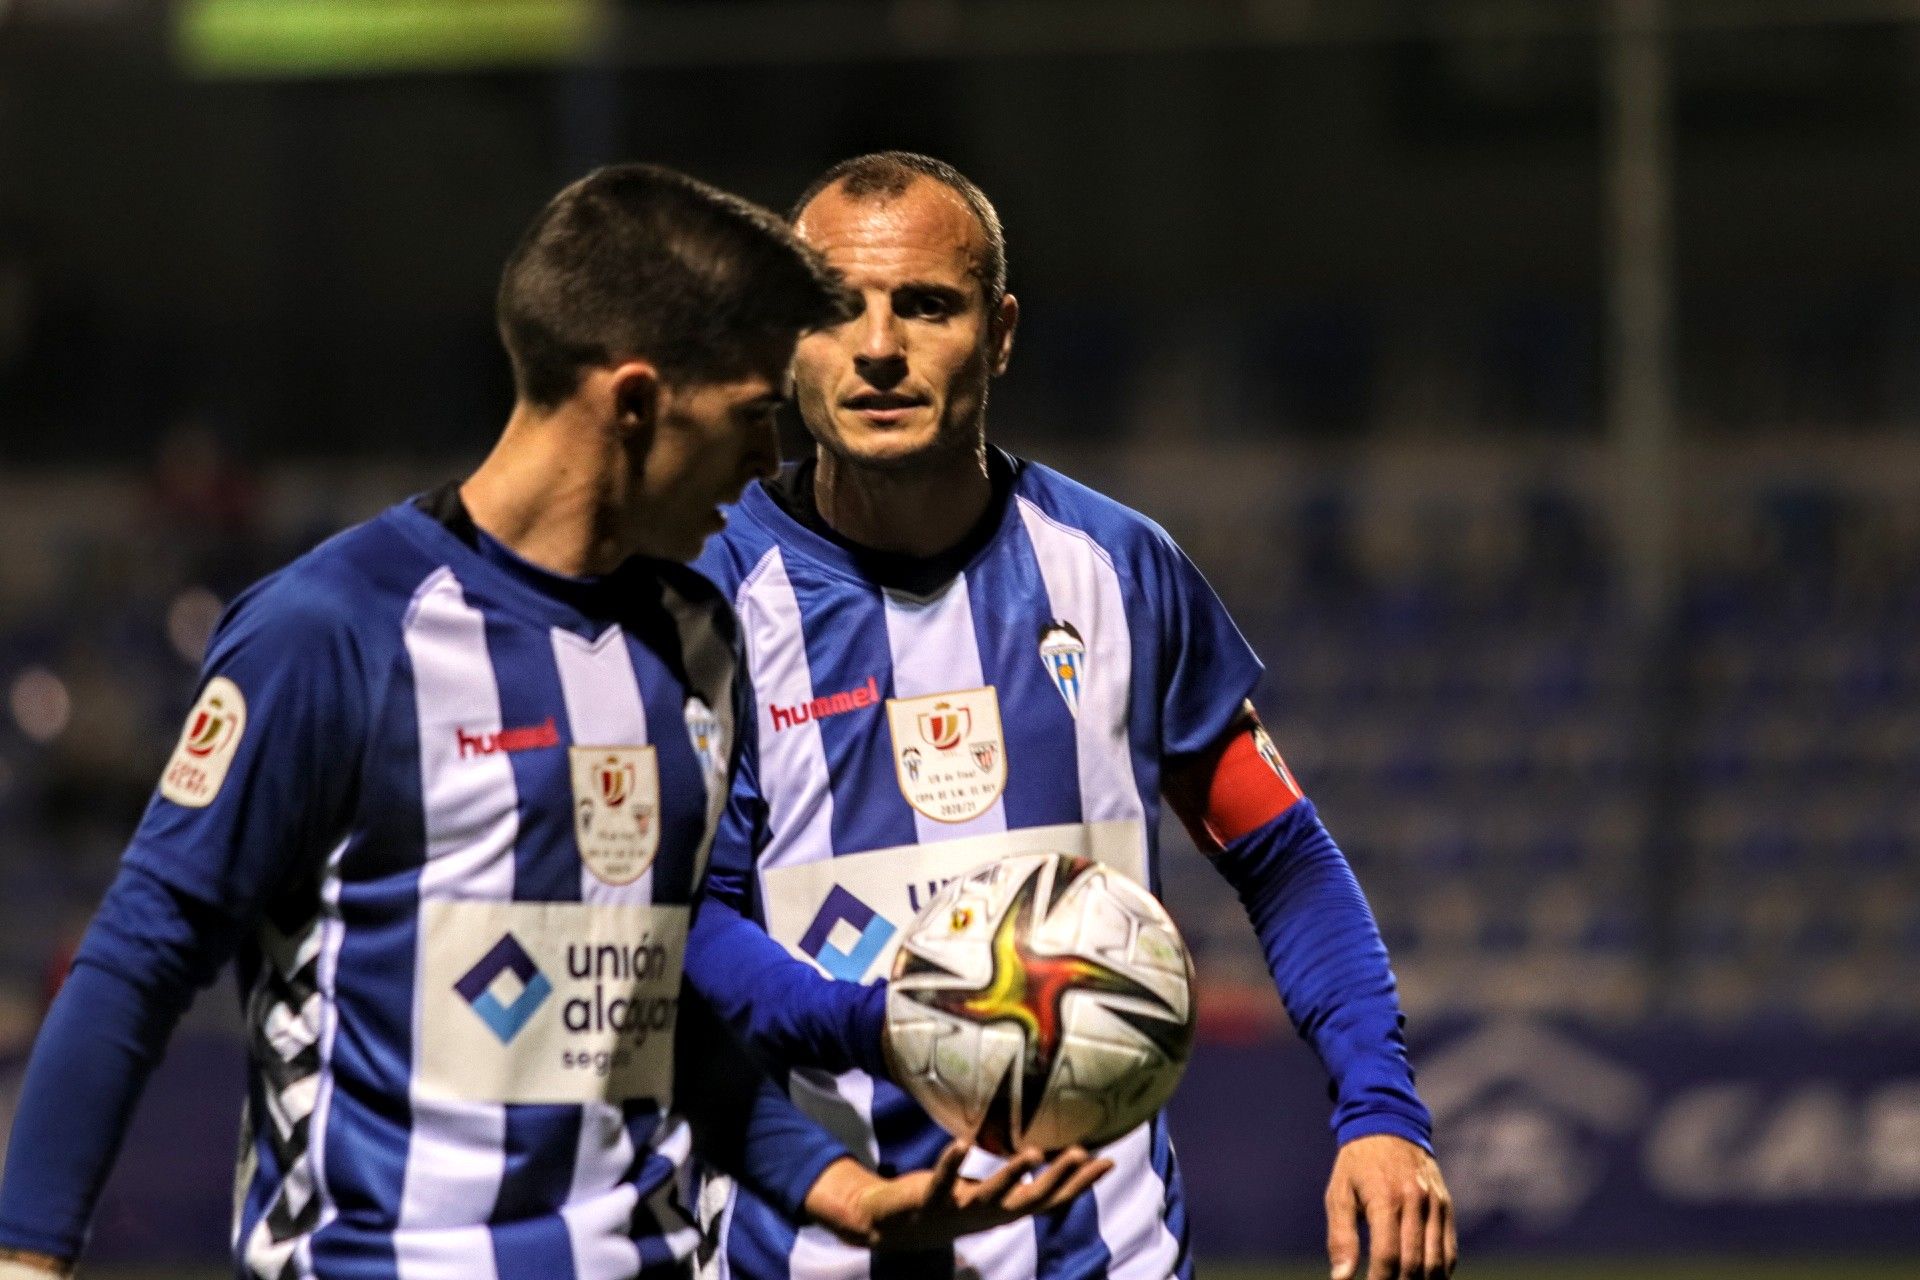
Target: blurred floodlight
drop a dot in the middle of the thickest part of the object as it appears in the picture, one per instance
(325, 37)
(190, 622)
(41, 705)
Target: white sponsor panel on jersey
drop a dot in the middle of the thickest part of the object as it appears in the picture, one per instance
(207, 745)
(616, 810)
(949, 753)
(845, 915)
(548, 1002)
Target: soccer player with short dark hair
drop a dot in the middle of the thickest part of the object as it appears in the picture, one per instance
(448, 791)
(1027, 666)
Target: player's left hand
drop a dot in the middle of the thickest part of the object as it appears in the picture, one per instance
(937, 1206)
(1397, 1189)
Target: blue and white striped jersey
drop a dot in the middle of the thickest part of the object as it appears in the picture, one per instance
(472, 803)
(1026, 703)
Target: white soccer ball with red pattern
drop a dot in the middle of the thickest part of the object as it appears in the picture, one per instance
(1041, 1001)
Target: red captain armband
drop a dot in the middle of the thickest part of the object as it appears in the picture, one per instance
(1250, 787)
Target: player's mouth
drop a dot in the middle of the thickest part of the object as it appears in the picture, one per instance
(883, 408)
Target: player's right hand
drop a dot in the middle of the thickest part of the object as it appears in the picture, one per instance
(935, 1206)
(20, 1264)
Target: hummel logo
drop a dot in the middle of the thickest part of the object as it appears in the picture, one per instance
(523, 739)
(489, 988)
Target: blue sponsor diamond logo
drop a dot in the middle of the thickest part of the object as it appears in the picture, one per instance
(847, 936)
(490, 988)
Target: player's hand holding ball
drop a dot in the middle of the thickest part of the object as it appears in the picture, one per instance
(1041, 1002)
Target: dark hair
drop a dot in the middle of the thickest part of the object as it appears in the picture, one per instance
(888, 174)
(637, 261)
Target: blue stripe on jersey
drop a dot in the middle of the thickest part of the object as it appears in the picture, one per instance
(1069, 1246)
(680, 772)
(540, 1142)
(368, 1125)
(546, 866)
(1176, 1211)
(1042, 756)
(530, 1247)
(846, 637)
(760, 1240)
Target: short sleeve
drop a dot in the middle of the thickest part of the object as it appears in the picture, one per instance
(1207, 668)
(259, 783)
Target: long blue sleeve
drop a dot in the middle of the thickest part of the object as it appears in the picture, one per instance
(1326, 957)
(742, 1123)
(148, 950)
(785, 1010)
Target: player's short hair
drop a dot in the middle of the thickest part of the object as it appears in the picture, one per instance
(635, 261)
(887, 174)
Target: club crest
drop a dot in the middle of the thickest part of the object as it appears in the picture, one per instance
(1065, 656)
(616, 807)
(949, 753)
(703, 731)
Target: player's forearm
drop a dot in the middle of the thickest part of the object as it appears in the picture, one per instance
(782, 1008)
(25, 1264)
(138, 965)
(1324, 952)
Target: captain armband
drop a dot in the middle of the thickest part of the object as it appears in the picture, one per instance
(1250, 787)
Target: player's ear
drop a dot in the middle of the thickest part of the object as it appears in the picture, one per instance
(636, 400)
(1006, 318)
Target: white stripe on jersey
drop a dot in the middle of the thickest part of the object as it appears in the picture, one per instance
(604, 709)
(455, 1150)
(1084, 589)
(777, 655)
(1131, 1203)
(936, 650)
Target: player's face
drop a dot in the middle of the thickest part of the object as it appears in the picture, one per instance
(710, 440)
(906, 379)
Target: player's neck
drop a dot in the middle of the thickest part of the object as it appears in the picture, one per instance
(551, 492)
(919, 511)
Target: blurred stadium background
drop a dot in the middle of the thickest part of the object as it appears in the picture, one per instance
(1538, 380)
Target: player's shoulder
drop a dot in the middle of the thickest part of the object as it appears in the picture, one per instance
(1122, 534)
(692, 595)
(357, 582)
(732, 555)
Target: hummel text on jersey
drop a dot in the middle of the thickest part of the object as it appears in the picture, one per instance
(833, 704)
(522, 739)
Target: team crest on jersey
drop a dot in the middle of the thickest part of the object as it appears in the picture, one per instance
(1066, 657)
(703, 731)
(616, 810)
(207, 745)
(949, 754)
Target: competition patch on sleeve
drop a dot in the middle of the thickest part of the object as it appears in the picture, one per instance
(207, 745)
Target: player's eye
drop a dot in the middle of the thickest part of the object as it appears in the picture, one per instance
(923, 305)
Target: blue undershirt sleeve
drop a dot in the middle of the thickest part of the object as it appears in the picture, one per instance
(742, 1123)
(255, 790)
(1327, 960)
(148, 950)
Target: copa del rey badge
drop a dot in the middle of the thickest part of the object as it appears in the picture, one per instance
(616, 810)
(207, 745)
(948, 752)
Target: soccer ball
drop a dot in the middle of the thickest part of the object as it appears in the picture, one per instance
(1040, 1001)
